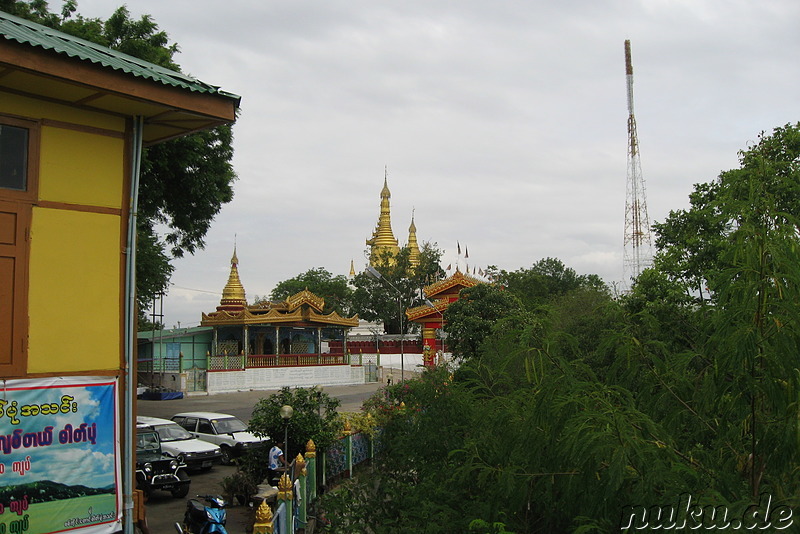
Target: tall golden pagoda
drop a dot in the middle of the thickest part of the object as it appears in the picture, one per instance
(383, 239)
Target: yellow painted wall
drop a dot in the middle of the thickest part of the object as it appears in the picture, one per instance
(74, 295)
(81, 168)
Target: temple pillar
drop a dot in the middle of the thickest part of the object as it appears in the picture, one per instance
(429, 345)
(246, 340)
(277, 340)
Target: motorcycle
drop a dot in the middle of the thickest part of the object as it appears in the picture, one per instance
(202, 518)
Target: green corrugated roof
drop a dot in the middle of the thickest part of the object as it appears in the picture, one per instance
(26, 32)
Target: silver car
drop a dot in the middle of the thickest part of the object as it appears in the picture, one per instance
(226, 431)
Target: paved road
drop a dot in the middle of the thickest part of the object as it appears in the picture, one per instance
(162, 510)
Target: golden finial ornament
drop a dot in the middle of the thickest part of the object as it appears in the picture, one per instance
(300, 465)
(311, 449)
(347, 428)
(263, 521)
(285, 488)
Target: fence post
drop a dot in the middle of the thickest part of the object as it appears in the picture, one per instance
(311, 465)
(302, 477)
(324, 467)
(360, 357)
(264, 518)
(244, 361)
(285, 496)
(348, 448)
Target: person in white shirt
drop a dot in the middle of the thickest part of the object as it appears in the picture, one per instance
(277, 461)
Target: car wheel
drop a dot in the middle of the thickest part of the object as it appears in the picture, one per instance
(227, 455)
(182, 491)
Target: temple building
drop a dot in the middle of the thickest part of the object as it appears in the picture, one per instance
(383, 243)
(291, 332)
(430, 316)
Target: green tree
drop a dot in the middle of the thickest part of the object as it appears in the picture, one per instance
(544, 280)
(314, 418)
(185, 181)
(478, 312)
(334, 289)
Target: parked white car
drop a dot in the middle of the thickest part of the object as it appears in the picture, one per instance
(180, 444)
(227, 431)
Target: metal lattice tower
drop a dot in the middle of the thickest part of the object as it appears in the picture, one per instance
(637, 242)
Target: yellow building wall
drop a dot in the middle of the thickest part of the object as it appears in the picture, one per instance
(81, 168)
(74, 293)
(75, 284)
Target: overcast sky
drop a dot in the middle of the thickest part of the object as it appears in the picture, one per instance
(503, 124)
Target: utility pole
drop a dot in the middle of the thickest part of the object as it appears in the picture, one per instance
(637, 241)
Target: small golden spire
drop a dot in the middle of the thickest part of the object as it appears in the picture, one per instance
(413, 256)
(233, 295)
(311, 449)
(352, 269)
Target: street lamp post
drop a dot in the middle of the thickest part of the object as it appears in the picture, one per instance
(286, 413)
(374, 273)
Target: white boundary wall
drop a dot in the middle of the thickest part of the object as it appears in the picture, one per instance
(267, 378)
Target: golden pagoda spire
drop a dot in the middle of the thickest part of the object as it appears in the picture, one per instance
(413, 256)
(352, 269)
(383, 238)
(233, 296)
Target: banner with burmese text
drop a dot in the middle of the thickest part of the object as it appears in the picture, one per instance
(59, 455)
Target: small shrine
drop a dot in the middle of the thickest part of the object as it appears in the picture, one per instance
(292, 332)
(431, 316)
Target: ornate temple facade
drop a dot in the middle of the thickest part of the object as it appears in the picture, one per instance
(431, 316)
(268, 334)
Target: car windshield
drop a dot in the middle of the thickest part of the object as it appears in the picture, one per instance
(172, 433)
(147, 442)
(229, 425)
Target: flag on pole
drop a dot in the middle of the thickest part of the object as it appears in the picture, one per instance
(450, 266)
(466, 251)
(459, 248)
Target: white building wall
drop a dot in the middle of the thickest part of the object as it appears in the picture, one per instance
(268, 378)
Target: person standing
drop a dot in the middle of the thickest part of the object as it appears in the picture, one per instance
(277, 461)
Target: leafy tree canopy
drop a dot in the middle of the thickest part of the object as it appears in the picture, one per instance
(693, 243)
(478, 311)
(544, 280)
(400, 288)
(314, 418)
(334, 289)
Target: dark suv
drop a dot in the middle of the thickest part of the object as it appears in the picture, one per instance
(155, 470)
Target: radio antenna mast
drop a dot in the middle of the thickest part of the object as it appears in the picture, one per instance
(637, 241)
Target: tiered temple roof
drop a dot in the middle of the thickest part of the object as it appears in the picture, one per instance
(302, 309)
